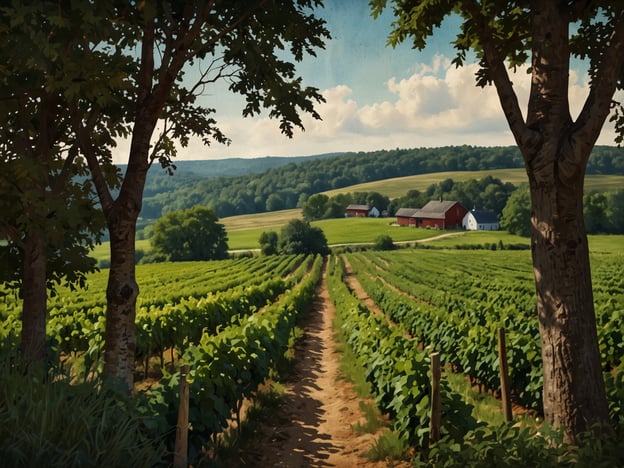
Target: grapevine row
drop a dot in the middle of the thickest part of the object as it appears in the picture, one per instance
(228, 367)
(463, 328)
(396, 368)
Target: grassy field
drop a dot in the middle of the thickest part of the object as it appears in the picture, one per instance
(366, 230)
(479, 238)
(337, 231)
(398, 187)
(262, 221)
(102, 251)
(606, 243)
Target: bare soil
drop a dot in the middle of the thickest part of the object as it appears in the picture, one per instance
(314, 426)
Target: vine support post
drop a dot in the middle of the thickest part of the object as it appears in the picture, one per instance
(436, 399)
(504, 375)
(180, 456)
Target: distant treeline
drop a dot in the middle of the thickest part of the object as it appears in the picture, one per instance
(290, 185)
(488, 193)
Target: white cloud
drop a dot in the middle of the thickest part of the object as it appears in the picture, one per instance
(437, 105)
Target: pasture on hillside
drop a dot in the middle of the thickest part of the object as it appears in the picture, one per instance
(399, 186)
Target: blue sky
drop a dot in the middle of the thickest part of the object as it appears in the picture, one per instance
(377, 97)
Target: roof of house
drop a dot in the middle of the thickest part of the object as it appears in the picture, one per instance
(435, 209)
(359, 207)
(484, 216)
(406, 212)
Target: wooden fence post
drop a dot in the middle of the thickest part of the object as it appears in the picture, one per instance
(436, 399)
(180, 456)
(504, 375)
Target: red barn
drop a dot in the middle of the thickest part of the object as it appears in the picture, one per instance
(358, 211)
(435, 214)
(404, 216)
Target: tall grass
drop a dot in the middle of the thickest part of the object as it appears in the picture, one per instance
(46, 421)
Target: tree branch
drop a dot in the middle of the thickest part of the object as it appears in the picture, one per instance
(146, 71)
(526, 138)
(598, 104)
(206, 78)
(61, 180)
(576, 7)
(83, 134)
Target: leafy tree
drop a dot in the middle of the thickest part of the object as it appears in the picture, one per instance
(315, 207)
(495, 195)
(360, 198)
(615, 211)
(484, 194)
(345, 199)
(555, 149)
(595, 213)
(299, 237)
(268, 243)
(192, 234)
(334, 209)
(377, 200)
(445, 186)
(274, 202)
(516, 216)
(49, 220)
(239, 41)
(412, 199)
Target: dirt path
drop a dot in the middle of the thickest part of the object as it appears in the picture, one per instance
(358, 290)
(314, 425)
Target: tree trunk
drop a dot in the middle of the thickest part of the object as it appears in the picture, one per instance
(574, 393)
(121, 296)
(33, 337)
(122, 290)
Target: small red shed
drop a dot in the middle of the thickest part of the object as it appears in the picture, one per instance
(357, 211)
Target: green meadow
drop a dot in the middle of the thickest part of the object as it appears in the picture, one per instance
(337, 231)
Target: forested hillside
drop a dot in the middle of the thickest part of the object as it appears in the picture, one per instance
(287, 186)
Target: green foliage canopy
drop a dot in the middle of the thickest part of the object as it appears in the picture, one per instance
(43, 191)
(315, 207)
(516, 217)
(294, 183)
(268, 243)
(192, 234)
(299, 237)
(384, 242)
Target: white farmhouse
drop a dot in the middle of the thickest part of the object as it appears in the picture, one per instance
(374, 212)
(480, 220)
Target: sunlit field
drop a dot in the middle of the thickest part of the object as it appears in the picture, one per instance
(398, 187)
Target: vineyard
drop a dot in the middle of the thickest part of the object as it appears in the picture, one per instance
(232, 322)
(453, 303)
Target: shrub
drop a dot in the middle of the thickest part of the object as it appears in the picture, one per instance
(384, 242)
